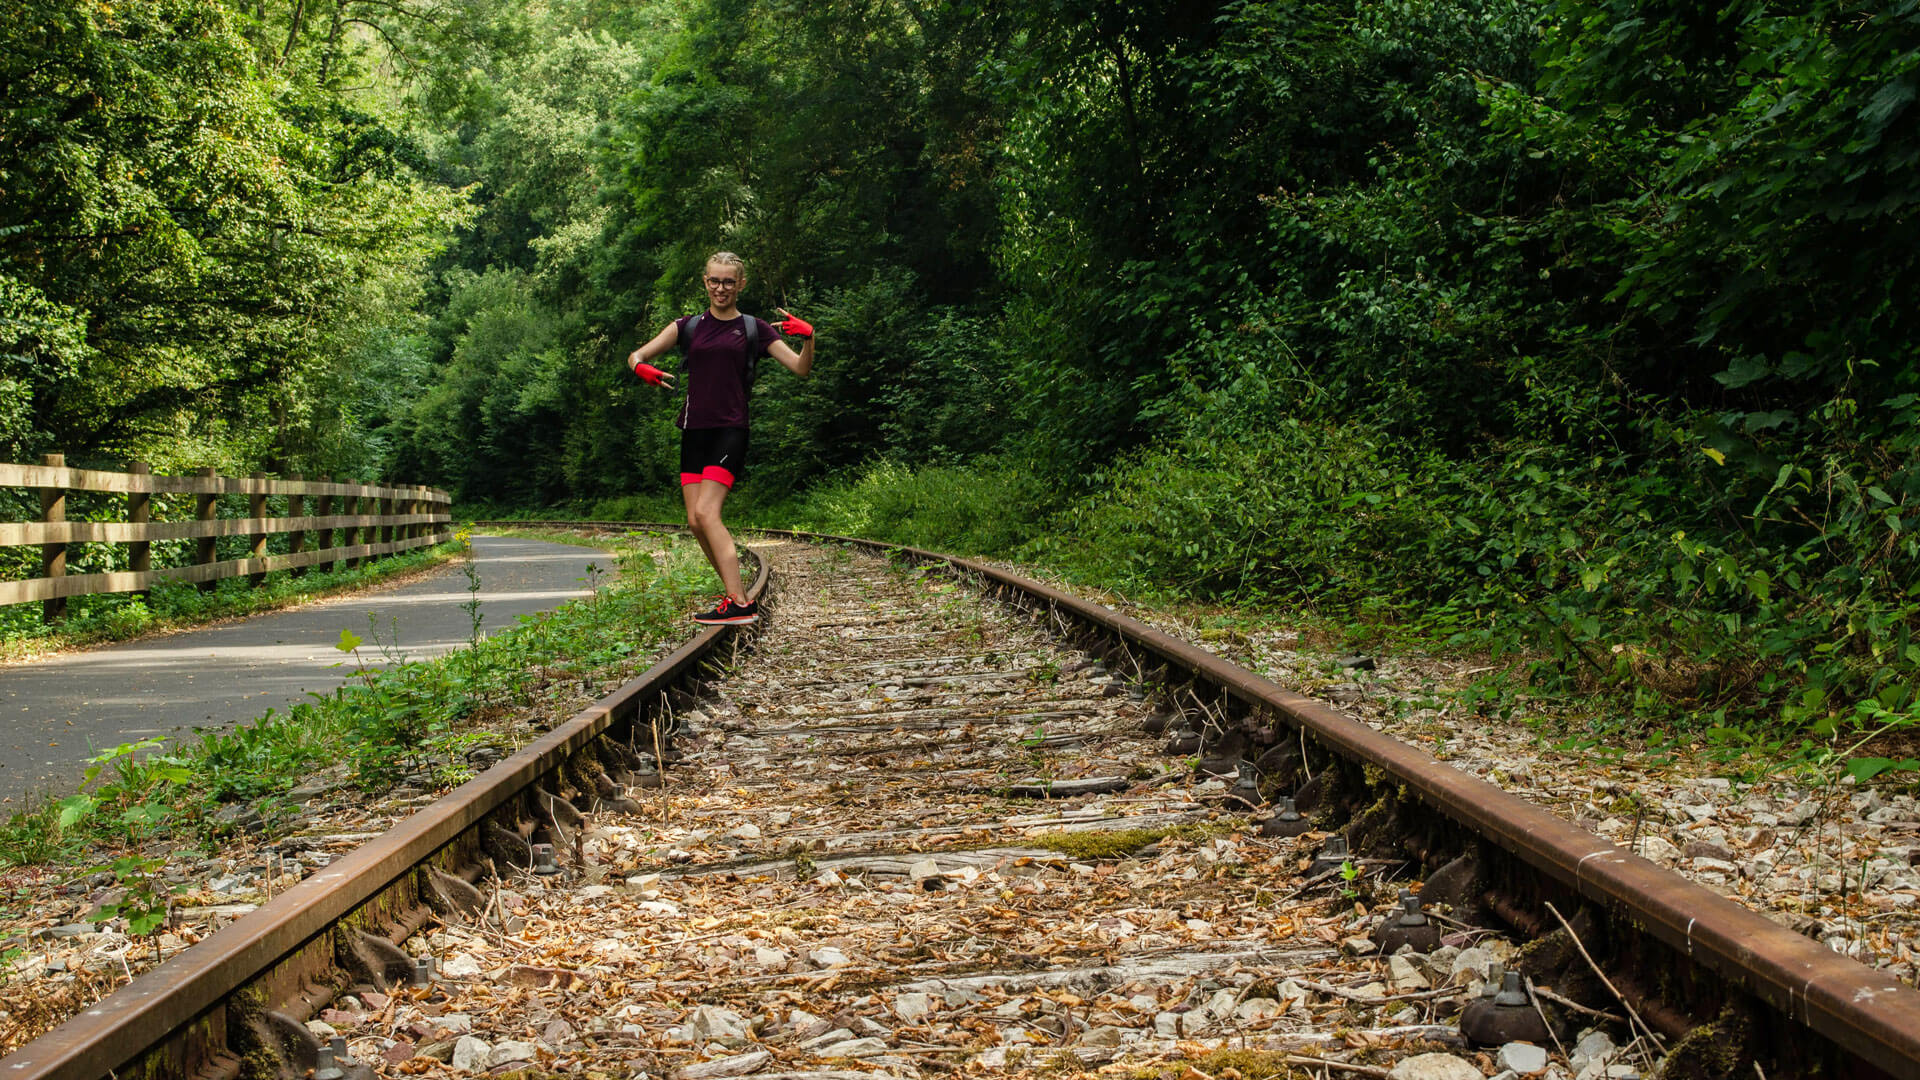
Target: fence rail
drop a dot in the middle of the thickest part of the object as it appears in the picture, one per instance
(368, 520)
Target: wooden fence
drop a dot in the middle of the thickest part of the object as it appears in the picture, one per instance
(368, 521)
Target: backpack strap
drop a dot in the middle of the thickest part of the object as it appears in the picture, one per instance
(751, 325)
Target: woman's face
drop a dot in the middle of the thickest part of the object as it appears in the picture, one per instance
(724, 281)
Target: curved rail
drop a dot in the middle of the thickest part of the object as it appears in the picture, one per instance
(173, 1009)
(1869, 1023)
(1868, 1014)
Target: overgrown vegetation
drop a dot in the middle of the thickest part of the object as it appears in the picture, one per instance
(393, 722)
(1570, 330)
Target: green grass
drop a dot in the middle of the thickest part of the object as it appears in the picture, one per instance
(398, 723)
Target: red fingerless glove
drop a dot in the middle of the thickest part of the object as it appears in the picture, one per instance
(794, 327)
(651, 374)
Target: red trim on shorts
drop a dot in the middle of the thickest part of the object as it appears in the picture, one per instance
(718, 475)
(688, 479)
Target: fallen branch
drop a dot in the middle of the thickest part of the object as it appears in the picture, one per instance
(1343, 1066)
(1335, 991)
(1608, 983)
(1061, 789)
(1574, 1006)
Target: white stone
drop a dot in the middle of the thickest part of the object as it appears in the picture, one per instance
(922, 870)
(663, 908)
(710, 1023)
(912, 1007)
(736, 1065)
(1404, 974)
(1658, 849)
(1144, 1003)
(828, 957)
(470, 1054)
(853, 1048)
(749, 831)
(831, 1038)
(321, 1029)
(772, 959)
(1105, 1035)
(453, 1023)
(1522, 1057)
(1594, 1046)
(1434, 1067)
(510, 1050)
(1254, 1010)
(1222, 1004)
(1372, 991)
(1471, 965)
(1168, 1025)
(460, 966)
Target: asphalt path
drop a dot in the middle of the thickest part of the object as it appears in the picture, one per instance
(57, 712)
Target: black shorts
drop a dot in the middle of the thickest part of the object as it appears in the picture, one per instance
(718, 454)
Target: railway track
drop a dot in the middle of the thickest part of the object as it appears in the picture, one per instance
(906, 832)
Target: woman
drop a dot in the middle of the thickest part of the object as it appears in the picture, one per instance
(720, 346)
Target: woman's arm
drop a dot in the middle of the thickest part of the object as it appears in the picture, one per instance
(662, 341)
(800, 363)
(797, 362)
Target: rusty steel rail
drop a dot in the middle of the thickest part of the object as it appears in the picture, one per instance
(1872, 1020)
(1868, 1014)
(170, 1022)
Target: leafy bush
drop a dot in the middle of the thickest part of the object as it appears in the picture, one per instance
(989, 507)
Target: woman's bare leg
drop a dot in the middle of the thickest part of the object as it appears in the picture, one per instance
(704, 500)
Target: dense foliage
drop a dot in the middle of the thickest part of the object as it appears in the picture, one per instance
(1579, 327)
(195, 225)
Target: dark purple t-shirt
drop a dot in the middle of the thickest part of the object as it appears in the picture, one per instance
(717, 369)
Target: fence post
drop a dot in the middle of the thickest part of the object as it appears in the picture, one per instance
(325, 539)
(53, 557)
(206, 508)
(139, 512)
(297, 538)
(352, 534)
(257, 509)
(387, 531)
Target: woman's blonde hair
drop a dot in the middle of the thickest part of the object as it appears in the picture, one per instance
(728, 258)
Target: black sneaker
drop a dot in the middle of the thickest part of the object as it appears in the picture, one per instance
(728, 613)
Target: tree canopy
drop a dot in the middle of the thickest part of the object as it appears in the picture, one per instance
(1584, 324)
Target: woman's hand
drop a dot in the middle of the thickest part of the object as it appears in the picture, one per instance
(791, 325)
(648, 373)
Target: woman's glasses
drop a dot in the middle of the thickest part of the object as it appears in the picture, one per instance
(723, 282)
